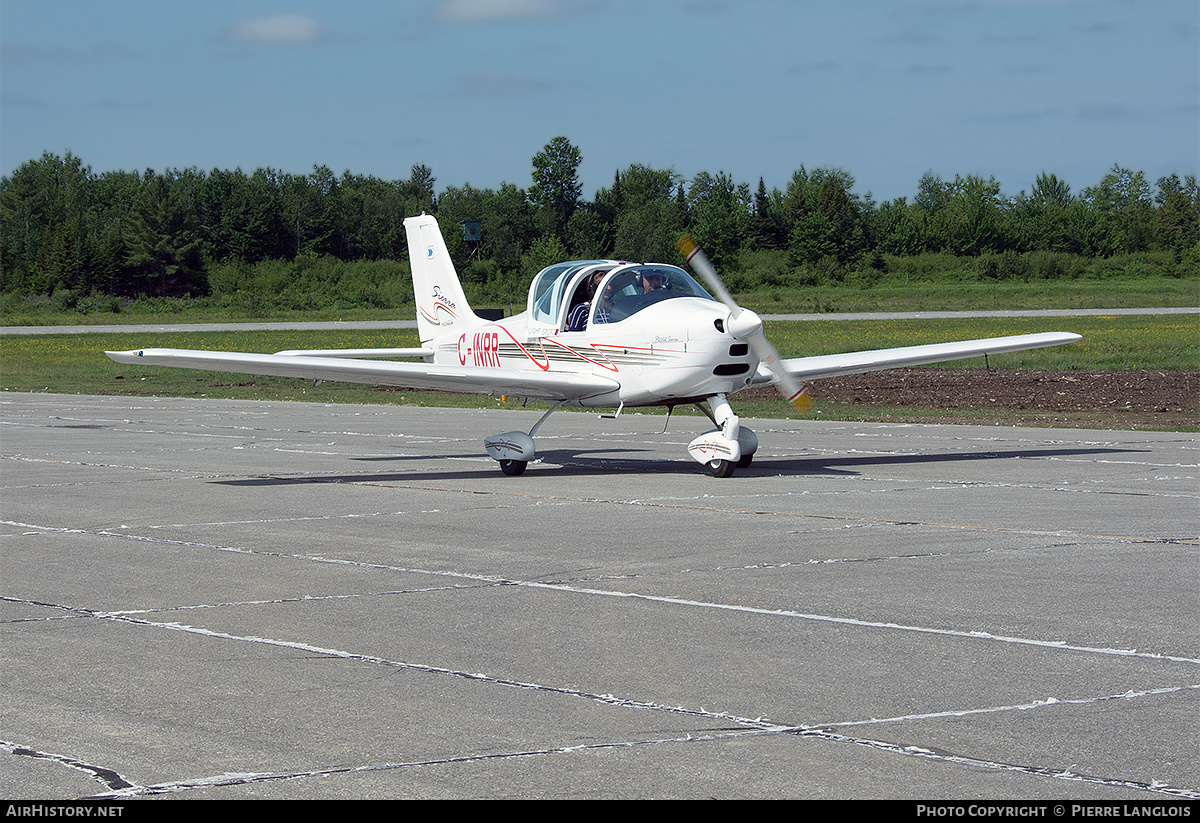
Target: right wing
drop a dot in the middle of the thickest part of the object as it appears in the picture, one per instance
(859, 362)
(537, 385)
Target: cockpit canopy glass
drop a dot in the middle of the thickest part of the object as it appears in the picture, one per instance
(556, 291)
(629, 289)
(547, 292)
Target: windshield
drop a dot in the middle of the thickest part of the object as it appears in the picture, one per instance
(630, 289)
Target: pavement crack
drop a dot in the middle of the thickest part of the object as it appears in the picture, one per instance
(106, 777)
(245, 779)
(730, 725)
(1056, 772)
(678, 601)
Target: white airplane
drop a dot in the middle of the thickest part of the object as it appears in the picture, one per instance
(598, 334)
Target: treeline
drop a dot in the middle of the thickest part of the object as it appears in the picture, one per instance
(65, 230)
(166, 234)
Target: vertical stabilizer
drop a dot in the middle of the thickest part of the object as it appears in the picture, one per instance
(441, 304)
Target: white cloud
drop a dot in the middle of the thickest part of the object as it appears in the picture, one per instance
(487, 11)
(281, 28)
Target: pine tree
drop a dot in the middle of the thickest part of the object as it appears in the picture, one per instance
(162, 244)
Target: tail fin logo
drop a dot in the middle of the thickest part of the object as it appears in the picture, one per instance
(429, 253)
(441, 303)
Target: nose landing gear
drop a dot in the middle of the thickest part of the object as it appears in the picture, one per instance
(730, 447)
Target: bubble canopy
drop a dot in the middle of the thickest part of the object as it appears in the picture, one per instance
(624, 290)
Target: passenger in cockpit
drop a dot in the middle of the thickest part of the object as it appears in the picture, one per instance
(605, 304)
(579, 315)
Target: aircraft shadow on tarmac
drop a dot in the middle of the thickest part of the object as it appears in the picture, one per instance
(581, 462)
(844, 465)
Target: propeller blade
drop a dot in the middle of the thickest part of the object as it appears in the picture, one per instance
(698, 260)
(795, 392)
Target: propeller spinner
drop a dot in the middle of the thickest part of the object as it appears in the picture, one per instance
(746, 325)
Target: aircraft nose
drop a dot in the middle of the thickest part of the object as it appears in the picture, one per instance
(745, 325)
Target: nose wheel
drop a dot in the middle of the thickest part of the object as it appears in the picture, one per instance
(722, 468)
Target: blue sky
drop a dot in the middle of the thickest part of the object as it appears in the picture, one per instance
(883, 89)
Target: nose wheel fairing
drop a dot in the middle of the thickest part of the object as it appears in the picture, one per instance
(730, 446)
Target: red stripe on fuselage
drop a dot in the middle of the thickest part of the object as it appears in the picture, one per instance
(603, 362)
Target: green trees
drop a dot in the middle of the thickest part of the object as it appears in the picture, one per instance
(69, 232)
(162, 243)
(824, 218)
(1041, 220)
(976, 221)
(556, 188)
(767, 230)
(646, 214)
(1122, 202)
(897, 229)
(125, 233)
(43, 215)
(719, 216)
(1177, 220)
(239, 215)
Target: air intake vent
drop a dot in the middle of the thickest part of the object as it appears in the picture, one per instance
(720, 324)
(739, 350)
(730, 369)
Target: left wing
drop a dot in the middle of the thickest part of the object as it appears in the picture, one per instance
(363, 353)
(859, 362)
(533, 384)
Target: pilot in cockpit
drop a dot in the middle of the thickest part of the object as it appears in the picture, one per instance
(652, 280)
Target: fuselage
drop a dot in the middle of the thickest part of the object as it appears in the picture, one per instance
(649, 327)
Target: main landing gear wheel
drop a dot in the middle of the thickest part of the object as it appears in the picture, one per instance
(721, 468)
(745, 461)
(513, 467)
